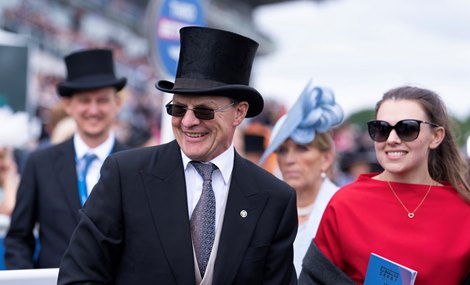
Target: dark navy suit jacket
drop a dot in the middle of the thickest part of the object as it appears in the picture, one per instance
(47, 196)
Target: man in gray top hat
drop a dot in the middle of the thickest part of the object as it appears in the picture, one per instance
(55, 182)
(192, 211)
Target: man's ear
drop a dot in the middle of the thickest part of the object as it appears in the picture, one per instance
(241, 109)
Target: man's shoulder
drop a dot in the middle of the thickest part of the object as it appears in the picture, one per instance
(144, 153)
(50, 150)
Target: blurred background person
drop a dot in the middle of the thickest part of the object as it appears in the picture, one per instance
(252, 138)
(52, 117)
(18, 132)
(416, 212)
(64, 130)
(56, 180)
(253, 142)
(354, 163)
(305, 154)
(9, 180)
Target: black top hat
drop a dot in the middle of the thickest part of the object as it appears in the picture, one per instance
(89, 69)
(217, 63)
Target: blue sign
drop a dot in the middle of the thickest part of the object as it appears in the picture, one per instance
(171, 16)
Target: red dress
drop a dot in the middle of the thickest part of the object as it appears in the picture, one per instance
(365, 217)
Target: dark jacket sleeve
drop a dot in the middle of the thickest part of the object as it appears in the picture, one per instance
(317, 269)
(467, 281)
(280, 264)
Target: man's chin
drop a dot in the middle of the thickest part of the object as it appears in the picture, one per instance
(94, 133)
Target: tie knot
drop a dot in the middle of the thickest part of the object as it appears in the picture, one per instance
(204, 169)
(88, 158)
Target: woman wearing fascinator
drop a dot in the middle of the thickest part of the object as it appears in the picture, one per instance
(305, 153)
(416, 212)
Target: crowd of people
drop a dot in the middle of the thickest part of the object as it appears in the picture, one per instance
(248, 192)
(56, 29)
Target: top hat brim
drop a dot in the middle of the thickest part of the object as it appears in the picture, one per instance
(68, 88)
(238, 92)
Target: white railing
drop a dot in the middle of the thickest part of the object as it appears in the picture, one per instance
(29, 276)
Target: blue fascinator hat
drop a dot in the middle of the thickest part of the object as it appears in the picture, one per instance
(314, 111)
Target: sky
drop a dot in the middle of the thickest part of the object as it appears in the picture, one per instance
(363, 48)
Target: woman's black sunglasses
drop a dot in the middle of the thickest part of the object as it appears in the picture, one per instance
(202, 113)
(407, 130)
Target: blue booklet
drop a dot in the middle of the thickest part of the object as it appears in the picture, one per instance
(382, 271)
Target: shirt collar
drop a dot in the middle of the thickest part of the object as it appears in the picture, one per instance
(101, 151)
(224, 162)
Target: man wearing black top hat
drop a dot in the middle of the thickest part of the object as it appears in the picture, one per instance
(192, 211)
(53, 184)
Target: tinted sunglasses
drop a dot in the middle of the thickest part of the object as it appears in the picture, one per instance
(202, 113)
(407, 130)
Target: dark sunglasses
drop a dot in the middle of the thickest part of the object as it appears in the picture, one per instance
(407, 130)
(202, 113)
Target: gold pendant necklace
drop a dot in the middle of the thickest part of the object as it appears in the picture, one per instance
(410, 214)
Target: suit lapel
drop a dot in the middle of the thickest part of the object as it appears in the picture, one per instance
(67, 174)
(237, 230)
(166, 190)
(65, 167)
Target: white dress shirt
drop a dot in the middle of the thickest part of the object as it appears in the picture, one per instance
(102, 151)
(220, 184)
(220, 181)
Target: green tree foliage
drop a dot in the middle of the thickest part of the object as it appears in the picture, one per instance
(361, 118)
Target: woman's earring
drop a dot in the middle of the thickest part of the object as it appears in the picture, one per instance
(323, 175)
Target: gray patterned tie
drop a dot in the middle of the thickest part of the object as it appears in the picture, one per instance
(203, 217)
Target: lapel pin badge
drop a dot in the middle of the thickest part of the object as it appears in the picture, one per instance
(243, 213)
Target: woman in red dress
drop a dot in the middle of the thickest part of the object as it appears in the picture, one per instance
(416, 212)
